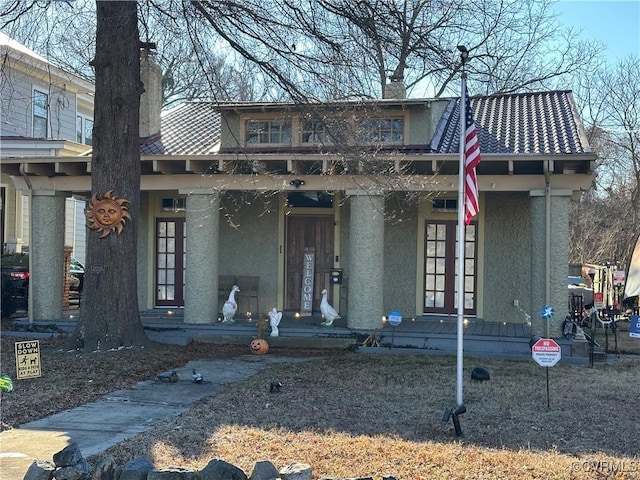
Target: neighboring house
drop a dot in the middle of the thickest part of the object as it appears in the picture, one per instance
(294, 193)
(45, 111)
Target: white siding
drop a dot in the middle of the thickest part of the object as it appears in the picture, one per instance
(17, 106)
(75, 231)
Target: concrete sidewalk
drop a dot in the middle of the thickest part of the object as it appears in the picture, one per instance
(123, 414)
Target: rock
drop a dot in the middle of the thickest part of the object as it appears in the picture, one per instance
(264, 471)
(68, 456)
(106, 469)
(172, 474)
(136, 469)
(40, 470)
(79, 471)
(221, 470)
(480, 374)
(296, 471)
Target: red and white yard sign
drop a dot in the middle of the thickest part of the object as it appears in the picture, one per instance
(546, 352)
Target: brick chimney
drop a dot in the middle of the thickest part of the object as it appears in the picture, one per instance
(395, 88)
(151, 99)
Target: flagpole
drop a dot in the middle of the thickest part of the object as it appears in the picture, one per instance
(464, 55)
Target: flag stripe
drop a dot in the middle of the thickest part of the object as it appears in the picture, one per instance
(471, 161)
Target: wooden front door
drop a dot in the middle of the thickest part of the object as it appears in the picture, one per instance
(169, 262)
(441, 268)
(308, 232)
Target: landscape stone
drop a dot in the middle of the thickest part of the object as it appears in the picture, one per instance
(137, 469)
(77, 472)
(221, 470)
(264, 470)
(142, 468)
(172, 474)
(68, 456)
(105, 469)
(40, 470)
(296, 471)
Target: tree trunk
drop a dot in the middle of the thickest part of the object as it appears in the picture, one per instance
(109, 316)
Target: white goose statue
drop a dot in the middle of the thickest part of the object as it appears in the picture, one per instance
(328, 312)
(230, 307)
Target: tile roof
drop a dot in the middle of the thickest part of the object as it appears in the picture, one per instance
(192, 128)
(524, 123)
(534, 123)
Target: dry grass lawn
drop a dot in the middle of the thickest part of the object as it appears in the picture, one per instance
(359, 415)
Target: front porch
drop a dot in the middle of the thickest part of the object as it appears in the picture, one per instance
(426, 334)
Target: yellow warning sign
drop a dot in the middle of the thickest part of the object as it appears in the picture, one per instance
(28, 359)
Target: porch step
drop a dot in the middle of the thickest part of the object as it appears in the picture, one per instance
(583, 350)
(298, 342)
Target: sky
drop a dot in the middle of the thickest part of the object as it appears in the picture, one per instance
(616, 23)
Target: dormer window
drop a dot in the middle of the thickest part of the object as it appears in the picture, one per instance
(314, 132)
(381, 130)
(268, 131)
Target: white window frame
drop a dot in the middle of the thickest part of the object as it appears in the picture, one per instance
(279, 129)
(381, 130)
(34, 115)
(84, 134)
(314, 132)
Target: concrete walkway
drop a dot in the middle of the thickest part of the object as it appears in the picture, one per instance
(123, 414)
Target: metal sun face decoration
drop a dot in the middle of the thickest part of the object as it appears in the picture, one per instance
(107, 214)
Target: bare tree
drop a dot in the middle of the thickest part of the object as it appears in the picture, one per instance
(606, 222)
(109, 316)
(353, 46)
(193, 67)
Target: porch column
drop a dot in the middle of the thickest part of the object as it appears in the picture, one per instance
(46, 255)
(201, 270)
(366, 253)
(145, 254)
(549, 216)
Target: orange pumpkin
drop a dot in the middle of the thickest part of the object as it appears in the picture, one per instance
(259, 346)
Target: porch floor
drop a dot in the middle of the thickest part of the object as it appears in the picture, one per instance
(426, 334)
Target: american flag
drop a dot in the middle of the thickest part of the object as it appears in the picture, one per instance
(471, 161)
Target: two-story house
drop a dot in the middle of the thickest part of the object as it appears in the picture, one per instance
(45, 111)
(356, 197)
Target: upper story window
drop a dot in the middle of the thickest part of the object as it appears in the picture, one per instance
(314, 131)
(381, 130)
(40, 114)
(84, 130)
(268, 131)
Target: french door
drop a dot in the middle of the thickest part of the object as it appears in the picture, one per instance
(441, 268)
(170, 262)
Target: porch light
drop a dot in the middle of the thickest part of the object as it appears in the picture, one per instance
(297, 183)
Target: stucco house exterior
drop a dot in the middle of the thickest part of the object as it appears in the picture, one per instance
(44, 111)
(358, 197)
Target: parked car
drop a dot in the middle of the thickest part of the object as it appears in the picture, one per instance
(15, 280)
(580, 287)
